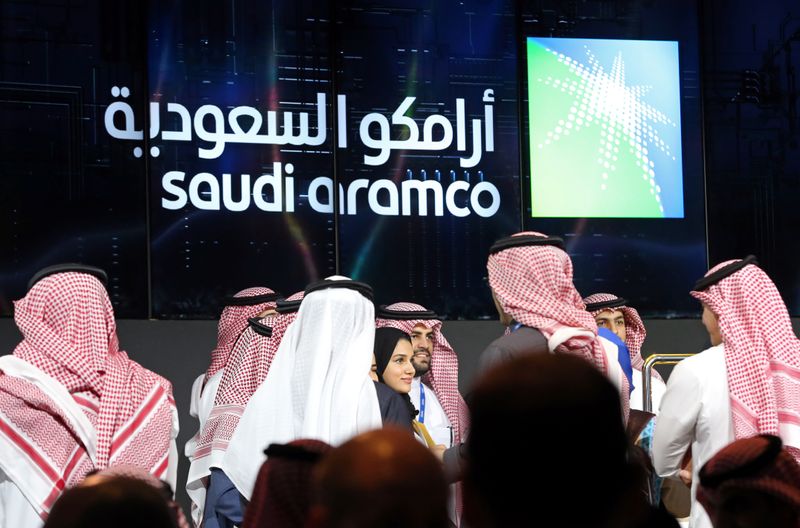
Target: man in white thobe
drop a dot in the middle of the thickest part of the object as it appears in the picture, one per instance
(744, 385)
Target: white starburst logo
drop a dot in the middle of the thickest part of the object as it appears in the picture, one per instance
(626, 124)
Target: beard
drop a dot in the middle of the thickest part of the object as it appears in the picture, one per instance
(421, 365)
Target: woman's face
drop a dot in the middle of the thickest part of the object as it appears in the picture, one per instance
(400, 372)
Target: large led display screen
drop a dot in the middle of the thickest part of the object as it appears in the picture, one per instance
(69, 192)
(612, 157)
(195, 148)
(605, 128)
(240, 150)
(429, 167)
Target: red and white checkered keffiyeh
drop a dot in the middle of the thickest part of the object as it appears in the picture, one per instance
(635, 332)
(232, 323)
(443, 375)
(762, 354)
(247, 368)
(69, 334)
(755, 464)
(534, 285)
(284, 490)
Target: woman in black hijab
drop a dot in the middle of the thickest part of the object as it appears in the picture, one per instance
(395, 372)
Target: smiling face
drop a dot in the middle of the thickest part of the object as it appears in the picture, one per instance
(399, 372)
(422, 344)
(614, 320)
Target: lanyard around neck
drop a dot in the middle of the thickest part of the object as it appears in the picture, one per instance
(421, 416)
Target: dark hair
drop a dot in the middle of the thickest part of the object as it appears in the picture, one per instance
(557, 421)
(282, 494)
(382, 478)
(122, 502)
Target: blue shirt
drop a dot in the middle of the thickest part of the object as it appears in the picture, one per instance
(623, 355)
(223, 507)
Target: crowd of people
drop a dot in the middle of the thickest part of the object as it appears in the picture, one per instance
(321, 410)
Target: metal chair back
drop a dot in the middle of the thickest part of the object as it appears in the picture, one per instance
(647, 373)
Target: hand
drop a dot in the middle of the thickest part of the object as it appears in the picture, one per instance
(685, 474)
(438, 451)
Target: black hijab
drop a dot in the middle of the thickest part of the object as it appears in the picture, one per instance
(386, 340)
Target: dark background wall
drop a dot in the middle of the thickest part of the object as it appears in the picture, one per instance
(60, 59)
(751, 54)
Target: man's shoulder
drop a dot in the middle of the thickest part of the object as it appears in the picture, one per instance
(702, 363)
(525, 337)
(702, 359)
(524, 341)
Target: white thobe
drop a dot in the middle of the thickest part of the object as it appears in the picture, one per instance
(15, 510)
(200, 404)
(695, 411)
(436, 421)
(201, 401)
